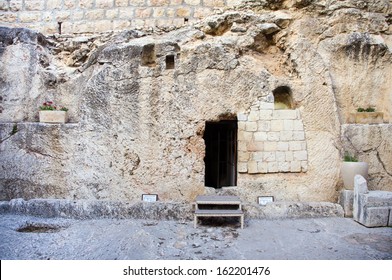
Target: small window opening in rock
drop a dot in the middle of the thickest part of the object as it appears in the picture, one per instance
(186, 20)
(283, 98)
(170, 63)
(59, 26)
(148, 55)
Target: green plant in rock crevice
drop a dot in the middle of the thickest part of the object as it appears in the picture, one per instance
(13, 132)
(349, 158)
(14, 129)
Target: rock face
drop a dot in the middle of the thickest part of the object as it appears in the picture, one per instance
(139, 105)
(372, 144)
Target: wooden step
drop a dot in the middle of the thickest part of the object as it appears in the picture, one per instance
(218, 212)
(218, 199)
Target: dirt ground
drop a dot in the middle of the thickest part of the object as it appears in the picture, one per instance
(28, 237)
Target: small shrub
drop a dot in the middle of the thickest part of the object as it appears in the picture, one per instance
(14, 129)
(370, 109)
(349, 158)
(360, 109)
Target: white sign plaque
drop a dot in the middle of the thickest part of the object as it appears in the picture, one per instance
(150, 197)
(264, 200)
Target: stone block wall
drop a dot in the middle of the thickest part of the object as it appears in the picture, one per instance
(271, 141)
(81, 16)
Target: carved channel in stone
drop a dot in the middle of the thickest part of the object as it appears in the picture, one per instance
(40, 228)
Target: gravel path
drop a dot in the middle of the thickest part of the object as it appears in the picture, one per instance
(110, 239)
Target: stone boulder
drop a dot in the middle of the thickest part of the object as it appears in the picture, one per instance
(371, 208)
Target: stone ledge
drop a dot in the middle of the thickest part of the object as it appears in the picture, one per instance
(25, 124)
(293, 210)
(364, 126)
(90, 209)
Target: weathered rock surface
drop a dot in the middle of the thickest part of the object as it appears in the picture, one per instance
(91, 209)
(138, 104)
(371, 144)
(128, 239)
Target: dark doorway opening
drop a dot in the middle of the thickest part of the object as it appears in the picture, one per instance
(221, 153)
(170, 62)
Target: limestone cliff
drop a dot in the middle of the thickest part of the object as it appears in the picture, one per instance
(139, 103)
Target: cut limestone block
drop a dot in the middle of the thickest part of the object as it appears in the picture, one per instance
(367, 117)
(346, 199)
(390, 219)
(53, 116)
(371, 208)
(375, 217)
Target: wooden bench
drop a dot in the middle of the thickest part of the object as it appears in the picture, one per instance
(218, 206)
